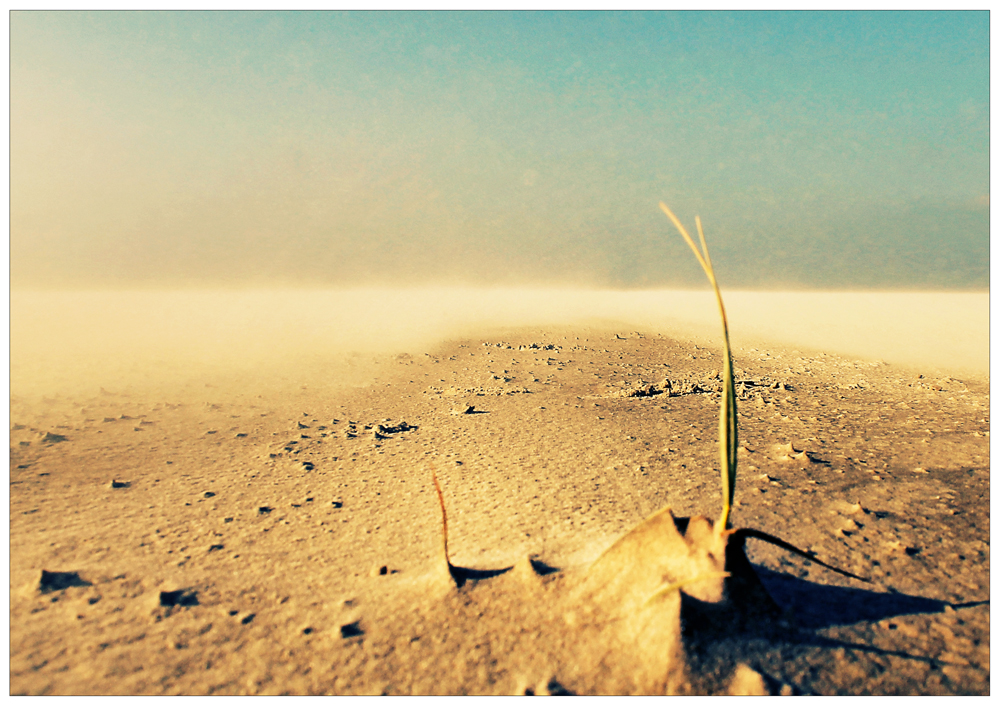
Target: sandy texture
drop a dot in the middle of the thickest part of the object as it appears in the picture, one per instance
(234, 534)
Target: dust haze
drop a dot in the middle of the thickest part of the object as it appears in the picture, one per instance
(242, 194)
(264, 340)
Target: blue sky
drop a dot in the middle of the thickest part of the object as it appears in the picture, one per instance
(822, 150)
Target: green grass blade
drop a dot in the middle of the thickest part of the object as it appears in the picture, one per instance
(728, 432)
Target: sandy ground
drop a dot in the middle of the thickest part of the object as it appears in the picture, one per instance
(233, 494)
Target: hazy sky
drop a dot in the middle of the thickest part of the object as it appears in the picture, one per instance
(831, 150)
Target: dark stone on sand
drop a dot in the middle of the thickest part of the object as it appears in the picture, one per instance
(263, 510)
(556, 689)
(351, 630)
(182, 597)
(59, 580)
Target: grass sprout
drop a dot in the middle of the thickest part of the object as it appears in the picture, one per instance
(728, 432)
(728, 428)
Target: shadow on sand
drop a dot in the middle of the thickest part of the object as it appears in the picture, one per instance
(816, 606)
(767, 641)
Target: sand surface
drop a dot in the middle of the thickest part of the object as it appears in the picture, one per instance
(231, 492)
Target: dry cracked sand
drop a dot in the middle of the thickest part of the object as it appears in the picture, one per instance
(285, 538)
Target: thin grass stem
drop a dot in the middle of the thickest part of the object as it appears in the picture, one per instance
(444, 518)
(728, 431)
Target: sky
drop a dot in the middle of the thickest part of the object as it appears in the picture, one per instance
(826, 150)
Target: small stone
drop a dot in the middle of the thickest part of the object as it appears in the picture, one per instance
(59, 580)
(351, 630)
(183, 597)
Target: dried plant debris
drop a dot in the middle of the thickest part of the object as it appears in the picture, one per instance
(384, 431)
(376, 430)
(708, 383)
(523, 346)
(478, 391)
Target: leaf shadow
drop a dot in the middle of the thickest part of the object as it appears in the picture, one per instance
(809, 607)
(816, 606)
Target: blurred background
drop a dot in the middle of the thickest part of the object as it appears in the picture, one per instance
(826, 150)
